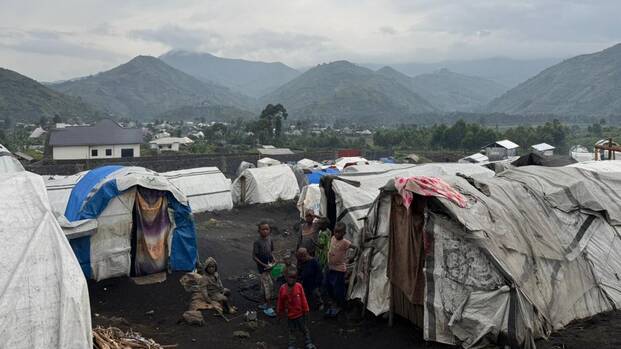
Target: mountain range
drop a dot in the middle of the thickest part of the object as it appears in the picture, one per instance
(146, 87)
(222, 89)
(583, 85)
(252, 78)
(343, 90)
(448, 91)
(24, 99)
(504, 71)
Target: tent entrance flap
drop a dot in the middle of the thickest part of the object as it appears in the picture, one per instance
(152, 229)
(406, 258)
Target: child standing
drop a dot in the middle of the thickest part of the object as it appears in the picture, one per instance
(337, 268)
(262, 254)
(292, 302)
(323, 241)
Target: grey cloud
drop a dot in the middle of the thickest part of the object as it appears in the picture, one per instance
(49, 42)
(283, 41)
(178, 37)
(387, 30)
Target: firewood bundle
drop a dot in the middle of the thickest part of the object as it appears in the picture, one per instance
(114, 338)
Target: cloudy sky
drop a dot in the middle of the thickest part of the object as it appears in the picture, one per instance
(55, 40)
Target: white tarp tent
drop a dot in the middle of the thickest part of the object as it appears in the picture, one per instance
(348, 197)
(534, 249)
(267, 162)
(206, 188)
(8, 163)
(44, 299)
(59, 189)
(310, 199)
(308, 164)
(341, 163)
(265, 185)
(599, 166)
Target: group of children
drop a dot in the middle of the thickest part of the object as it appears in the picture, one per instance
(319, 274)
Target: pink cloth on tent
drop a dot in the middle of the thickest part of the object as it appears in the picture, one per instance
(427, 186)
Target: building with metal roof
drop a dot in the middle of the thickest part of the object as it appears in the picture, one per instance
(105, 139)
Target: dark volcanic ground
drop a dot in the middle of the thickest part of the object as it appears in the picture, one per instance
(154, 310)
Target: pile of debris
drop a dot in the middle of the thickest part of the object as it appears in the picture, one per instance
(114, 338)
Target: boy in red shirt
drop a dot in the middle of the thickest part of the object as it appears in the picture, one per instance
(293, 303)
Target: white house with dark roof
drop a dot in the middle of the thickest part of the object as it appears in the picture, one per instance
(104, 140)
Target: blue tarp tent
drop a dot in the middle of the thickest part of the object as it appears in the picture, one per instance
(107, 194)
(315, 176)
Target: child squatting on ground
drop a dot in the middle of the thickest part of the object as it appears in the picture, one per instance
(212, 289)
(262, 253)
(292, 303)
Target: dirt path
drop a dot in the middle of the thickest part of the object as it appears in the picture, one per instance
(154, 310)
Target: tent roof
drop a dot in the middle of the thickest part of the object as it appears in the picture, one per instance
(275, 151)
(542, 147)
(505, 143)
(206, 188)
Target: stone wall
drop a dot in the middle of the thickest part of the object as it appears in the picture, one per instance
(227, 163)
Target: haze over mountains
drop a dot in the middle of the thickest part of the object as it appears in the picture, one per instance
(146, 87)
(504, 71)
(24, 99)
(449, 91)
(223, 89)
(584, 85)
(254, 79)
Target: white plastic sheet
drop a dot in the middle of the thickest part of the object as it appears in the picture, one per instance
(265, 185)
(206, 188)
(44, 299)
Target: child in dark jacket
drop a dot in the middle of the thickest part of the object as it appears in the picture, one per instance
(292, 303)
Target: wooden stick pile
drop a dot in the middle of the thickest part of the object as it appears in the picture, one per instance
(114, 338)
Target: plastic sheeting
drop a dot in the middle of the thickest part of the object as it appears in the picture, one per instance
(349, 196)
(206, 188)
(107, 194)
(44, 300)
(535, 249)
(599, 166)
(59, 190)
(310, 199)
(8, 163)
(265, 185)
(267, 162)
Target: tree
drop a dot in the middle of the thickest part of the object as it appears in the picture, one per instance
(271, 120)
(57, 119)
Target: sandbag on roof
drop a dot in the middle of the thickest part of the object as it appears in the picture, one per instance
(206, 188)
(265, 185)
(534, 249)
(44, 301)
(349, 196)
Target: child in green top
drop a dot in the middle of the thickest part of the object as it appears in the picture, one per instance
(323, 241)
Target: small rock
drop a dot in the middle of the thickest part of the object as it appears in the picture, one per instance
(96, 315)
(261, 345)
(193, 340)
(150, 312)
(241, 334)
